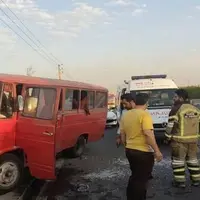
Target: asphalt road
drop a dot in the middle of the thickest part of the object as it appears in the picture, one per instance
(103, 171)
(102, 174)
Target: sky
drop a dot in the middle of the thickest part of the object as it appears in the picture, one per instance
(103, 42)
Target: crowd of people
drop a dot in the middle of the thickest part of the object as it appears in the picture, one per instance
(136, 133)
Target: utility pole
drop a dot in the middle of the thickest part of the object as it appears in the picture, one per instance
(60, 71)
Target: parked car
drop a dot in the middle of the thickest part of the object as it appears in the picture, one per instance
(112, 119)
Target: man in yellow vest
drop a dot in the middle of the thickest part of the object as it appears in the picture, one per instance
(183, 133)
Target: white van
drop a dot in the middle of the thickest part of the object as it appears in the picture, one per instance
(161, 91)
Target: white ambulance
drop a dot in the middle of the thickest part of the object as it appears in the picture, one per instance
(161, 91)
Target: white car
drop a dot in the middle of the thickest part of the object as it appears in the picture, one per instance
(112, 119)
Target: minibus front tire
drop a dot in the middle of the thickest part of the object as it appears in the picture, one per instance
(79, 148)
(11, 172)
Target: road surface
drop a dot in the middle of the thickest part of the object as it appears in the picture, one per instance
(102, 174)
(103, 171)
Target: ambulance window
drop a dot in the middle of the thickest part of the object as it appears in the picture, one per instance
(39, 103)
(7, 101)
(101, 99)
(71, 100)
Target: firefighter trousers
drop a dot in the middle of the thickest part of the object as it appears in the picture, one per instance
(182, 154)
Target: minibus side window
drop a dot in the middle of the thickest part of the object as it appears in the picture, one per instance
(85, 101)
(88, 98)
(91, 99)
(101, 99)
(19, 89)
(60, 106)
(71, 100)
(7, 102)
(39, 103)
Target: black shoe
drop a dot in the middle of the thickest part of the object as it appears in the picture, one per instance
(195, 183)
(178, 184)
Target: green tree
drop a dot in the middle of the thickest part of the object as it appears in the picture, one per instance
(194, 91)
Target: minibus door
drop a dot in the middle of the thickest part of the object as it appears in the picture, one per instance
(36, 131)
(7, 117)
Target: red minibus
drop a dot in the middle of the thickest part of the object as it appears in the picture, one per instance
(40, 118)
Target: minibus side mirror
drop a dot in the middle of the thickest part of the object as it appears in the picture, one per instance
(20, 102)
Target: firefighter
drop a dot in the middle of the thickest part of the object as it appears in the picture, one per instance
(182, 132)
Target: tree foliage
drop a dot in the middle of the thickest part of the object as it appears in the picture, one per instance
(194, 91)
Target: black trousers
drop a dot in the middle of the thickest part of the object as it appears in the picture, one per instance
(141, 165)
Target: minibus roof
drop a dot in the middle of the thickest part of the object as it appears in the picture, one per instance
(48, 82)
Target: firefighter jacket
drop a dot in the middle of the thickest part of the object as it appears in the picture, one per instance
(183, 123)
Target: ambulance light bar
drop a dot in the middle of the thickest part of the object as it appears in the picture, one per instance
(148, 77)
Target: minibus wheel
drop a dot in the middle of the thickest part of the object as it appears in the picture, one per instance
(79, 148)
(11, 172)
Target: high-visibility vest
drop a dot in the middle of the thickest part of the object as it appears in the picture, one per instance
(183, 125)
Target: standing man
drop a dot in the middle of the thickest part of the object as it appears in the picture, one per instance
(127, 103)
(137, 135)
(183, 132)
